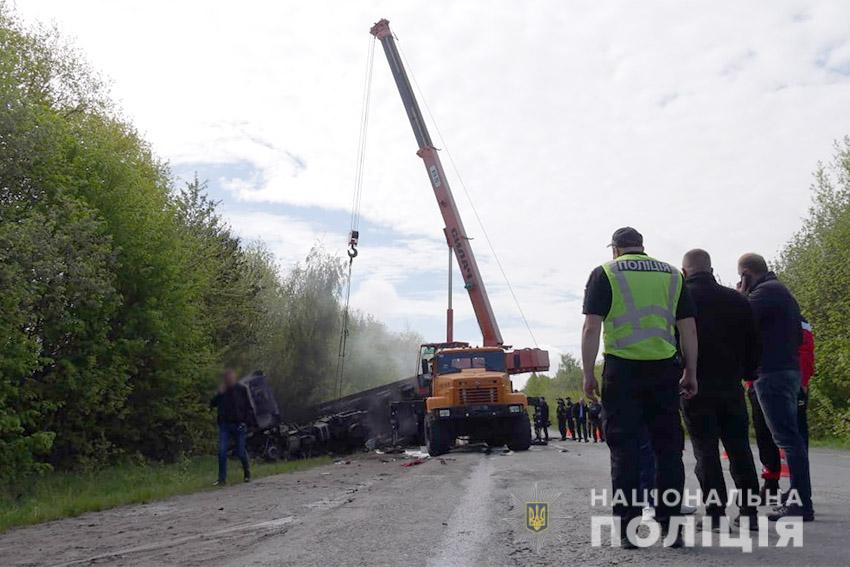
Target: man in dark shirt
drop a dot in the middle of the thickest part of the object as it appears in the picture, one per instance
(779, 324)
(594, 418)
(561, 414)
(580, 418)
(728, 352)
(544, 415)
(234, 414)
(571, 422)
(638, 304)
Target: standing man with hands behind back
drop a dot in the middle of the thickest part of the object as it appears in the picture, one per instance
(638, 303)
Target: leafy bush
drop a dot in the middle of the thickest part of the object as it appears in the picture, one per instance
(815, 266)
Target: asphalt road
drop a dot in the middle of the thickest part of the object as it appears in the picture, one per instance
(465, 509)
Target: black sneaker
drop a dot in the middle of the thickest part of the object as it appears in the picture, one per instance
(247, 478)
(791, 511)
(220, 483)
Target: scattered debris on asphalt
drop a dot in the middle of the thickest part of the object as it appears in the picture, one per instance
(417, 454)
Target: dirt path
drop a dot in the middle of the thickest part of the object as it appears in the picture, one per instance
(465, 509)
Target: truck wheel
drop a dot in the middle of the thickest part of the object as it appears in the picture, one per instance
(272, 453)
(520, 434)
(437, 437)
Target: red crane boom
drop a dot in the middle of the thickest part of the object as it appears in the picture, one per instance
(454, 231)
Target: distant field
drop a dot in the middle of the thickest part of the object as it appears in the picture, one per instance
(61, 495)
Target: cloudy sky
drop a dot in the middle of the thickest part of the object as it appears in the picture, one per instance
(697, 123)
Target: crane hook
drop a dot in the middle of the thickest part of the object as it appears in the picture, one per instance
(353, 239)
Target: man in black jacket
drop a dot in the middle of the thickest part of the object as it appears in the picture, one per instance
(234, 414)
(594, 419)
(580, 417)
(728, 353)
(561, 414)
(779, 323)
(571, 423)
(544, 414)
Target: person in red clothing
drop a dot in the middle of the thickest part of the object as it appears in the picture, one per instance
(768, 451)
(807, 370)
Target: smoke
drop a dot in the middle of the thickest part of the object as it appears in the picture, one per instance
(299, 330)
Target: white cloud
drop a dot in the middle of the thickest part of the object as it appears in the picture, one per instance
(697, 123)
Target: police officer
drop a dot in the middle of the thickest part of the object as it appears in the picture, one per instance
(638, 303)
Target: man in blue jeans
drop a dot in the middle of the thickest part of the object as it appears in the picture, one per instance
(234, 413)
(779, 324)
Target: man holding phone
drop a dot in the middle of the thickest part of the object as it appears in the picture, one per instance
(638, 303)
(779, 323)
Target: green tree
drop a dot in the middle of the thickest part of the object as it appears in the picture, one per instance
(814, 265)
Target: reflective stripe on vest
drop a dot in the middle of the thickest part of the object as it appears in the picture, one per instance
(632, 314)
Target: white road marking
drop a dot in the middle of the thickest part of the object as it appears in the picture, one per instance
(469, 524)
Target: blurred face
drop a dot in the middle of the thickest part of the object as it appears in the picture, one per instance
(229, 378)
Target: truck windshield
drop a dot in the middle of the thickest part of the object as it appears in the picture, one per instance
(455, 362)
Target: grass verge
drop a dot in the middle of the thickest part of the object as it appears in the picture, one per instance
(836, 443)
(62, 495)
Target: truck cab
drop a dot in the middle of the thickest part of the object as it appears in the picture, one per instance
(469, 394)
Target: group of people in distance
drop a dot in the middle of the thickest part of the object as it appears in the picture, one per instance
(579, 421)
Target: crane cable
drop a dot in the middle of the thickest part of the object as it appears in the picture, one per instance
(466, 192)
(354, 231)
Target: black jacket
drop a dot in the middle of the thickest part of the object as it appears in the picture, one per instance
(233, 405)
(561, 411)
(726, 330)
(579, 411)
(778, 321)
(544, 410)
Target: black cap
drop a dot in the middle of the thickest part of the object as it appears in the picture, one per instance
(626, 237)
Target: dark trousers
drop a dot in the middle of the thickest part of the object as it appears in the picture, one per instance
(562, 427)
(581, 429)
(571, 425)
(638, 395)
(714, 417)
(239, 433)
(596, 430)
(771, 461)
(802, 415)
(646, 478)
(777, 393)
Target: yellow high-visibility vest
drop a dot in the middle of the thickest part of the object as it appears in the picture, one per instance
(641, 324)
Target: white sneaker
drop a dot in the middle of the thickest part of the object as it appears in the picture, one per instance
(647, 515)
(686, 510)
